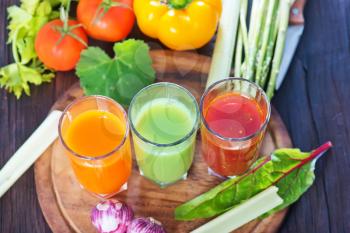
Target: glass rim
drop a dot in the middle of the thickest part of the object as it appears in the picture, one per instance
(99, 157)
(238, 139)
(184, 138)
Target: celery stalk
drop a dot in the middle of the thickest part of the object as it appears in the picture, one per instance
(224, 47)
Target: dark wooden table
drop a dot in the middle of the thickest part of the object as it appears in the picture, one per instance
(313, 102)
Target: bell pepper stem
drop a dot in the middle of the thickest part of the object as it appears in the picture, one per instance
(179, 4)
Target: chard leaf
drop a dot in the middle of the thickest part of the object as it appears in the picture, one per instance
(119, 78)
(291, 170)
(292, 186)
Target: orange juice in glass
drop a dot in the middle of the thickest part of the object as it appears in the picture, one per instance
(95, 133)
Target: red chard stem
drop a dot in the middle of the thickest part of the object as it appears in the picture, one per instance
(315, 154)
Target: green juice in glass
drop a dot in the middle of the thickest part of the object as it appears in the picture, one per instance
(167, 123)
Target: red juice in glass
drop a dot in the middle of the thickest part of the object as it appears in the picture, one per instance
(235, 113)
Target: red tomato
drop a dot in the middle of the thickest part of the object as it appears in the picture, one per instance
(105, 22)
(60, 55)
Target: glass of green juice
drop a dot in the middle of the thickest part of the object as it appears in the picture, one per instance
(164, 119)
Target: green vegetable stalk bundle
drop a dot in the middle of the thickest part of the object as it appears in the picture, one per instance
(291, 170)
(24, 23)
(259, 47)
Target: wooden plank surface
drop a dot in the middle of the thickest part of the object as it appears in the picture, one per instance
(313, 102)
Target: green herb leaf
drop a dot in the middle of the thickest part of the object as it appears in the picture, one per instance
(55, 3)
(119, 78)
(26, 49)
(96, 71)
(43, 9)
(16, 78)
(19, 19)
(30, 5)
(289, 169)
(24, 23)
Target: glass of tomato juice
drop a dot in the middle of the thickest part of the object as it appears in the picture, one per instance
(235, 113)
(94, 131)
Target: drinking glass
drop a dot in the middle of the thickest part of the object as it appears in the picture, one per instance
(101, 174)
(164, 119)
(231, 156)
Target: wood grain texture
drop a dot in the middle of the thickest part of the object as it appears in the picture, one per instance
(318, 86)
(313, 102)
(67, 207)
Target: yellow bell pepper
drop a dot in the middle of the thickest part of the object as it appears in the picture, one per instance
(179, 24)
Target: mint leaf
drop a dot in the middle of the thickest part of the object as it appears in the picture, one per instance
(289, 169)
(119, 78)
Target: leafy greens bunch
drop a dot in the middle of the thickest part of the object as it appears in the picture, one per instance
(291, 170)
(24, 23)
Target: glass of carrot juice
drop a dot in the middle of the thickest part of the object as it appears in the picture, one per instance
(235, 113)
(94, 131)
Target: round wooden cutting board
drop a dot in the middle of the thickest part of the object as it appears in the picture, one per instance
(67, 207)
